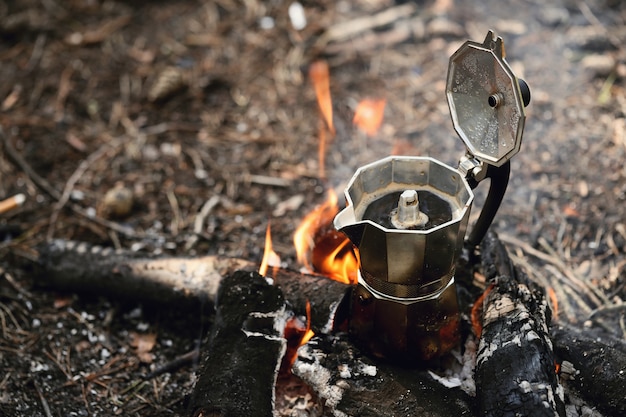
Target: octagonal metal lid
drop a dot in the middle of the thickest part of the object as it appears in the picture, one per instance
(485, 100)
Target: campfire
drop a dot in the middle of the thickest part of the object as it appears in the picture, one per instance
(393, 311)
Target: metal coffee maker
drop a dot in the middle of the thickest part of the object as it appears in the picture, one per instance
(407, 216)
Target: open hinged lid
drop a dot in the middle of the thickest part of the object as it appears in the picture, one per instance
(485, 100)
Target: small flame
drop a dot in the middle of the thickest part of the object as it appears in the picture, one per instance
(270, 258)
(312, 222)
(368, 116)
(297, 334)
(320, 77)
(308, 333)
(321, 248)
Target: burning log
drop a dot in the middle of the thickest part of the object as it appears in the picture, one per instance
(515, 367)
(244, 352)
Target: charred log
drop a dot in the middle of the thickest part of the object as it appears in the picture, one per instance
(79, 267)
(597, 367)
(351, 384)
(243, 355)
(176, 281)
(515, 367)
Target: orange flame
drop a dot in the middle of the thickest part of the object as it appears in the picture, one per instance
(321, 248)
(368, 116)
(320, 77)
(297, 334)
(308, 333)
(270, 258)
(319, 216)
(477, 310)
(555, 303)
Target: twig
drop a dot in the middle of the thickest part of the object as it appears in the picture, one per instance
(17, 159)
(44, 402)
(345, 30)
(78, 173)
(594, 294)
(551, 259)
(177, 220)
(199, 220)
(178, 362)
(12, 203)
(591, 17)
(35, 56)
(608, 308)
(14, 283)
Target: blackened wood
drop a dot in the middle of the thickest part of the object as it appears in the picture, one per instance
(174, 281)
(599, 367)
(79, 267)
(241, 360)
(324, 295)
(515, 368)
(351, 384)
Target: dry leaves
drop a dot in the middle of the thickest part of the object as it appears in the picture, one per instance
(143, 343)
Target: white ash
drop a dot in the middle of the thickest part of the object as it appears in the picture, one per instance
(328, 327)
(364, 369)
(460, 373)
(568, 371)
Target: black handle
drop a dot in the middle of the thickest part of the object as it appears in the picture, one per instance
(499, 180)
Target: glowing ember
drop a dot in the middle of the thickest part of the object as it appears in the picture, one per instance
(320, 77)
(477, 310)
(330, 251)
(368, 116)
(270, 258)
(555, 303)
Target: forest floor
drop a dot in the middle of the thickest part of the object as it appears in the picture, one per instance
(190, 102)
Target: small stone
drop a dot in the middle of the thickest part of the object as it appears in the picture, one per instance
(443, 27)
(169, 81)
(599, 65)
(117, 202)
(553, 16)
(511, 26)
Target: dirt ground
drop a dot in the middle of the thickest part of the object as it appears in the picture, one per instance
(190, 102)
